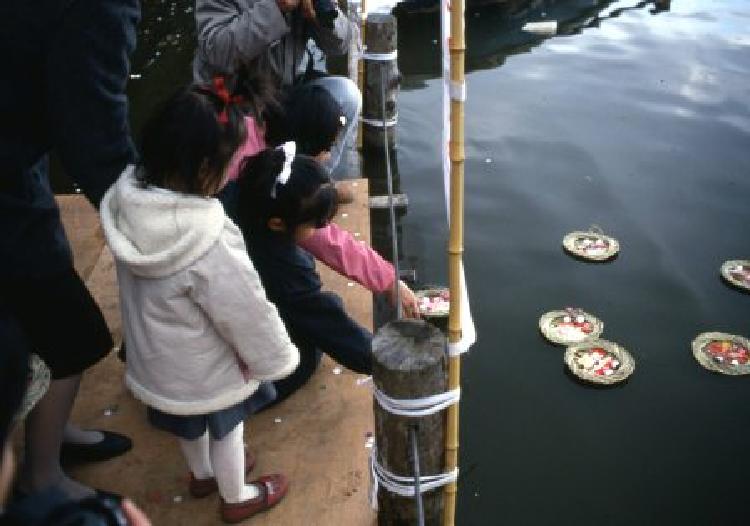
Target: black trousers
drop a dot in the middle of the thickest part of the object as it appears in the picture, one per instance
(55, 317)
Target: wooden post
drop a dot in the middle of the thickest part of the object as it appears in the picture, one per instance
(409, 361)
(380, 38)
(361, 62)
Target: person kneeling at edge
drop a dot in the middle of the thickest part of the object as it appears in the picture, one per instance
(283, 199)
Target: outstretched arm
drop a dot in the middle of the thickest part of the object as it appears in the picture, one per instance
(338, 249)
(320, 321)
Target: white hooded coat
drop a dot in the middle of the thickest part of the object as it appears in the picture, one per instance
(194, 311)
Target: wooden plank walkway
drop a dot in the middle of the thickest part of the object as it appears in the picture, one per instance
(317, 437)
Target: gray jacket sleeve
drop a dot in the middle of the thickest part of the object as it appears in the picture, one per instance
(337, 40)
(230, 33)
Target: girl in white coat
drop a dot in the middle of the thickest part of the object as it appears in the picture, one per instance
(201, 334)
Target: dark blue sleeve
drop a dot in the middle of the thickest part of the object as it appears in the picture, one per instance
(320, 320)
(87, 74)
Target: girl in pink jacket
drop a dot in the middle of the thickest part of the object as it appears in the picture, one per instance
(313, 119)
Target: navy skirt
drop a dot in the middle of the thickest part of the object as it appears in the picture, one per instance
(218, 423)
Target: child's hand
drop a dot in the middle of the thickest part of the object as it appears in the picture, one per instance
(133, 514)
(409, 302)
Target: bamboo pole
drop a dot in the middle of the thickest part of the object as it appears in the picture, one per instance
(361, 65)
(455, 245)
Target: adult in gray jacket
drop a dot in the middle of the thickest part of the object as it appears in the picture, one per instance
(279, 39)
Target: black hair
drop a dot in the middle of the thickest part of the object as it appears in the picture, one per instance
(308, 197)
(311, 117)
(260, 88)
(185, 147)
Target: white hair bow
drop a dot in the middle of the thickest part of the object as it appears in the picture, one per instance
(290, 150)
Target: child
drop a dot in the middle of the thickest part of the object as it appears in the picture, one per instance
(312, 118)
(283, 199)
(187, 291)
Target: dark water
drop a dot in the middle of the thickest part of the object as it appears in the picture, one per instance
(638, 121)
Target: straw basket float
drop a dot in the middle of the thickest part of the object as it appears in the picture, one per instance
(723, 353)
(593, 245)
(737, 273)
(570, 326)
(434, 305)
(599, 362)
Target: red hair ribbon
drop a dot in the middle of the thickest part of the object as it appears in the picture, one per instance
(221, 91)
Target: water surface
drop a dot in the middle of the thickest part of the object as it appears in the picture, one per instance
(639, 122)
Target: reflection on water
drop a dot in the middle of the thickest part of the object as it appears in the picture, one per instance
(636, 119)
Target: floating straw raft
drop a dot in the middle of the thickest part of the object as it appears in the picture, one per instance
(737, 273)
(433, 301)
(434, 305)
(593, 245)
(570, 326)
(599, 362)
(723, 353)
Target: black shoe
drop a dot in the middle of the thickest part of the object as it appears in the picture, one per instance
(52, 494)
(111, 446)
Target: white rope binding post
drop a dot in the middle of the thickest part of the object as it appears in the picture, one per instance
(400, 485)
(380, 57)
(417, 407)
(378, 123)
(414, 408)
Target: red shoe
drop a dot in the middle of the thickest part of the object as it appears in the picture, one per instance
(200, 488)
(272, 490)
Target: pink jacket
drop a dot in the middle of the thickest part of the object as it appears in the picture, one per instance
(332, 245)
(336, 247)
(254, 143)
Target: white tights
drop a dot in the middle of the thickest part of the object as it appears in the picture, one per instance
(223, 459)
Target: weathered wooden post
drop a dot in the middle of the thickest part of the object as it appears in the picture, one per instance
(409, 362)
(380, 52)
(358, 68)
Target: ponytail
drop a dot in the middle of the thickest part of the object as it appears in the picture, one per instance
(307, 197)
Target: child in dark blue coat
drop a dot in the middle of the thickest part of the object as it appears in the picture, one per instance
(283, 198)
